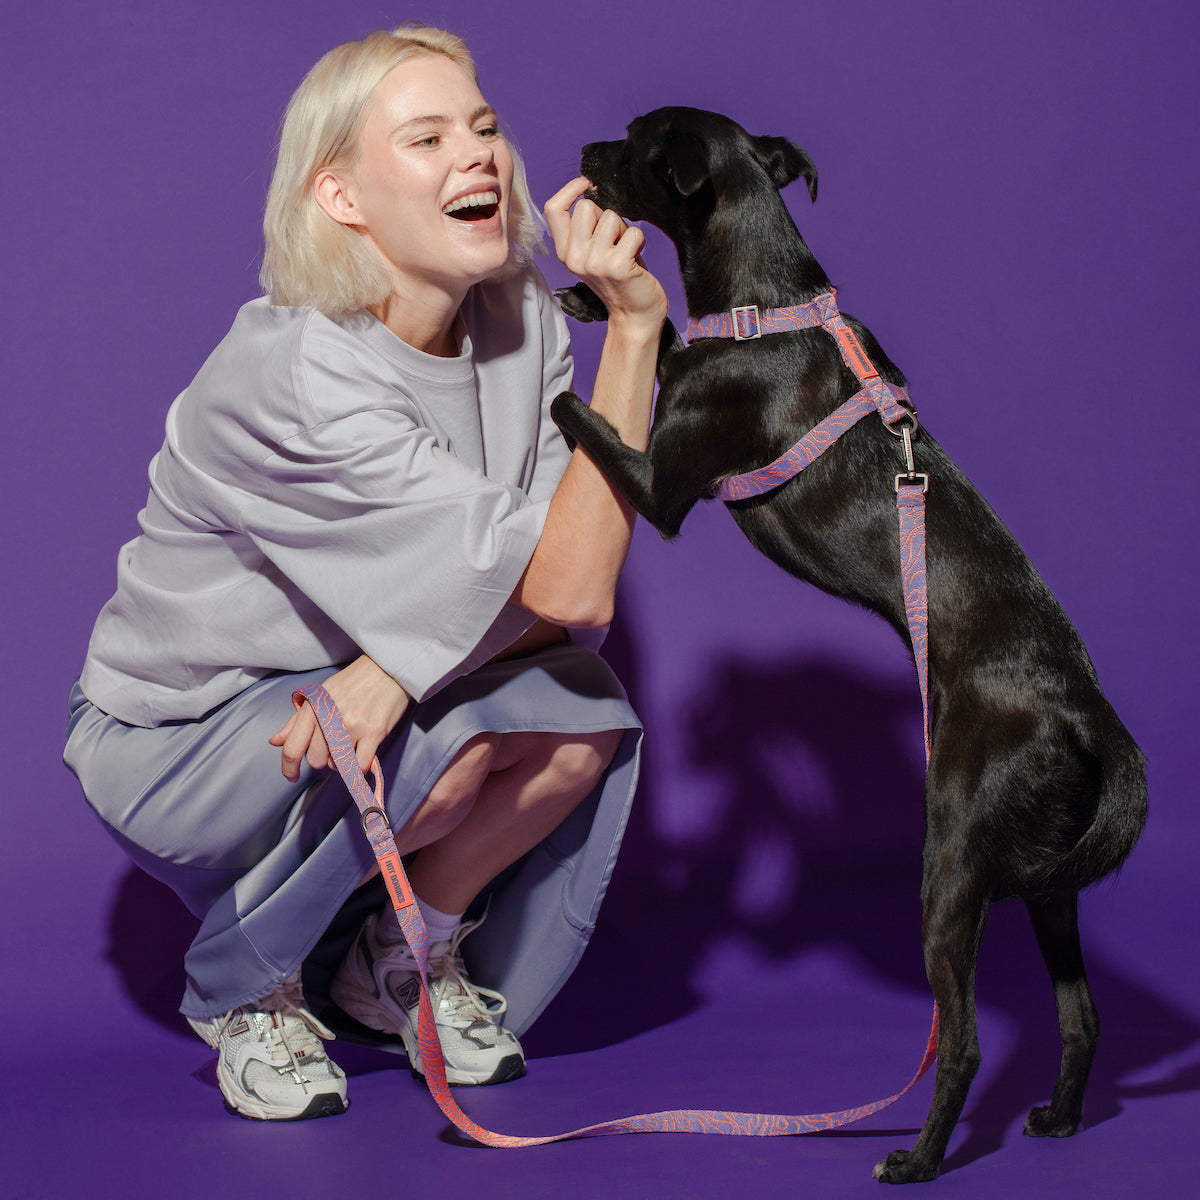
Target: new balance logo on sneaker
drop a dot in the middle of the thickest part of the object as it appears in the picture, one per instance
(272, 1065)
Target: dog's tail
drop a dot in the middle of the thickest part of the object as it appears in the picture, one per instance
(1117, 824)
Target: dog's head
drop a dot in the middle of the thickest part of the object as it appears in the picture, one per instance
(676, 165)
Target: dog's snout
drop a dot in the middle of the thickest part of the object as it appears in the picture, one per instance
(589, 159)
(595, 155)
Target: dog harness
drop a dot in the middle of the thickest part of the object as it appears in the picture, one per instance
(893, 405)
(876, 395)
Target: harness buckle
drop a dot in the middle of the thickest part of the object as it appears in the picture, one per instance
(749, 313)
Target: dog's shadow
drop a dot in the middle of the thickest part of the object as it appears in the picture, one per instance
(818, 844)
(815, 841)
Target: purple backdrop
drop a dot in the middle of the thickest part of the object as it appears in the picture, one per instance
(1008, 198)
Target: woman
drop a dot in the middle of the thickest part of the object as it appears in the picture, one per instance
(362, 486)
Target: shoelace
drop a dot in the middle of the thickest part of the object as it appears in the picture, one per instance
(448, 966)
(291, 1028)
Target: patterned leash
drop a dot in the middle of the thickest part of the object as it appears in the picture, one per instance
(378, 831)
(895, 409)
(893, 406)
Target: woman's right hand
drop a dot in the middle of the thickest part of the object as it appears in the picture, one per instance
(371, 703)
(601, 249)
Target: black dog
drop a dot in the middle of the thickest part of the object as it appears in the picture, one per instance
(1035, 789)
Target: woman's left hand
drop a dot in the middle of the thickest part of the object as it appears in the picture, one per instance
(371, 703)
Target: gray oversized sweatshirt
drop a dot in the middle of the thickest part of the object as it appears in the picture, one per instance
(325, 489)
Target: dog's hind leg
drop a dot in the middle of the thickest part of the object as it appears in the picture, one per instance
(953, 928)
(1056, 926)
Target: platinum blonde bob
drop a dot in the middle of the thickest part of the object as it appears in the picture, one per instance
(309, 258)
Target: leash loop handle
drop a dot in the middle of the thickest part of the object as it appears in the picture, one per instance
(711, 1121)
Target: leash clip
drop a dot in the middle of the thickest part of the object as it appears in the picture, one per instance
(905, 433)
(748, 312)
(911, 478)
(906, 428)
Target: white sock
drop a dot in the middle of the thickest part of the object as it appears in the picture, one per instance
(439, 926)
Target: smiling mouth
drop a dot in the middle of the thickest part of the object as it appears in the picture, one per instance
(478, 206)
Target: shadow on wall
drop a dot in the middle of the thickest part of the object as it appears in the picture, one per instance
(816, 843)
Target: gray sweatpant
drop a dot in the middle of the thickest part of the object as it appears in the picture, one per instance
(267, 864)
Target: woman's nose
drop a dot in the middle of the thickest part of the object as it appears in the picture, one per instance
(472, 152)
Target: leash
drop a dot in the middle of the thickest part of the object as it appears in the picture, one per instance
(379, 834)
(894, 407)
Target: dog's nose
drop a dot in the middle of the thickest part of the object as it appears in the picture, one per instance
(595, 153)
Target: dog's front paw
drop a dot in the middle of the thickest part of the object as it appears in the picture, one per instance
(902, 1166)
(1045, 1122)
(569, 414)
(581, 303)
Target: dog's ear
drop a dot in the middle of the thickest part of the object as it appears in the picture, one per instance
(784, 162)
(687, 162)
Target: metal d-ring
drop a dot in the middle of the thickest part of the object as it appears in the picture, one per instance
(366, 812)
(896, 429)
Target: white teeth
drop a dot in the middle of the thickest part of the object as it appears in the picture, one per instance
(474, 200)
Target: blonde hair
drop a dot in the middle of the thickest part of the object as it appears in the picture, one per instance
(310, 258)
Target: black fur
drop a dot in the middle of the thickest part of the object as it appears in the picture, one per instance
(1035, 789)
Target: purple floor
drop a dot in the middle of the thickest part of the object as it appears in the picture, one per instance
(1008, 198)
(110, 1096)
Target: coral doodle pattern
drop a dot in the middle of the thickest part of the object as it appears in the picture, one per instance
(910, 504)
(803, 454)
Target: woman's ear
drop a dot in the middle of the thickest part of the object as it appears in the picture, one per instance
(332, 191)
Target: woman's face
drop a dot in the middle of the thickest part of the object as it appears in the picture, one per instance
(433, 183)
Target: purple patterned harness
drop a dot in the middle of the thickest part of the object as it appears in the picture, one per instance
(892, 405)
(876, 395)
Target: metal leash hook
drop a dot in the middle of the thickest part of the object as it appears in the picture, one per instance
(906, 428)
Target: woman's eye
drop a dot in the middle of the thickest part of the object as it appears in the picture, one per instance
(488, 131)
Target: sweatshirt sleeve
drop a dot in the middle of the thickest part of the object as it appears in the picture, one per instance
(410, 551)
(557, 376)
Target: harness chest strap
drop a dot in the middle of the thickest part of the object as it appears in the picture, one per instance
(374, 820)
(893, 405)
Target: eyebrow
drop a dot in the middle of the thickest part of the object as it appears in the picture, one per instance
(484, 110)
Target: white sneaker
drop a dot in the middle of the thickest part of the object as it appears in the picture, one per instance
(272, 1065)
(379, 986)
